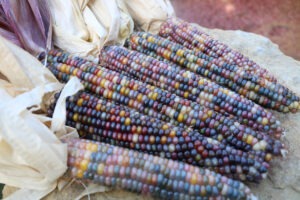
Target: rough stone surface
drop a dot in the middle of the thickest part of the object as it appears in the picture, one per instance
(283, 181)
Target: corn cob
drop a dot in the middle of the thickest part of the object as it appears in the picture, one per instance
(104, 121)
(261, 91)
(190, 86)
(150, 100)
(149, 175)
(191, 37)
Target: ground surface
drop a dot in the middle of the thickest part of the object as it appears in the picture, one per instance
(276, 19)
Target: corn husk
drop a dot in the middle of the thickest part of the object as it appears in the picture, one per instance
(31, 155)
(27, 24)
(148, 15)
(83, 27)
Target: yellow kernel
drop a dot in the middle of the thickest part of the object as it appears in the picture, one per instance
(84, 165)
(75, 117)
(127, 90)
(79, 102)
(256, 88)
(151, 39)
(135, 40)
(188, 65)
(88, 146)
(165, 53)
(140, 97)
(135, 87)
(165, 127)
(194, 179)
(265, 121)
(127, 121)
(102, 83)
(268, 157)
(122, 91)
(186, 94)
(180, 117)
(139, 129)
(204, 117)
(63, 68)
(99, 73)
(110, 93)
(100, 169)
(163, 139)
(154, 96)
(176, 85)
(206, 72)
(75, 72)
(181, 61)
(130, 103)
(180, 53)
(172, 133)
(220, 137)
(94, 79)
(249, 139)
(94, 147)
(68, 67)
(122, 113)
(193, 122)
(168, 55)
(209, 113)
(79, 173)
(152, 139)
(201, 82)
(98, 107)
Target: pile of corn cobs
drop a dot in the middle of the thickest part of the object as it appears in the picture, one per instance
(189, 108)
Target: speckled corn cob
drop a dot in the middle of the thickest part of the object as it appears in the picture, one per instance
(261, 91)
(149, 175)
(190, 86)
(193, 38)
(107, 122)
(142, 97)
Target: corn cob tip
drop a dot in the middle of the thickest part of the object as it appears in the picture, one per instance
(253, 197)
(284, 152)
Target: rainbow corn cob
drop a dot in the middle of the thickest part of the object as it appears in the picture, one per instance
(104, 121)
(268, 94)
(190, 86)
(191, 37)
(149, 175)
(158, 103)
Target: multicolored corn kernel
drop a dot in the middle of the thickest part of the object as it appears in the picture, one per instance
(104, 121)
(161, 104)
(146, 174)
(266, 93)
(190, 86)
(193, 38)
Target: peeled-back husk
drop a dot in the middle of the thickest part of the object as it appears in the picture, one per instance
(31, 155)
(27, 24)
(149, 15)
(83, 27)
